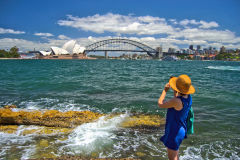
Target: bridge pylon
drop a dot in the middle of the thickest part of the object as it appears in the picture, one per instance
(106, 55)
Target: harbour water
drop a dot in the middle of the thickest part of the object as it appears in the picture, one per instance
(125, 87)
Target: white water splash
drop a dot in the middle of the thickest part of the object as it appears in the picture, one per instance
(28, 151)
(225, 68)
(22, 143)
(220, 150)
(55, 104)
(95, 136)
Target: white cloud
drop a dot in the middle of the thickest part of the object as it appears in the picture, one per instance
(149, 39)
(63, 37)
(201, 24)
(153, 42)
(207, 35)
(43, 34)
(185, 22)
(26, 45)
(115, 23)
(189, 30)
(174, 21)
(22, 44)
(208, 25)
(10, 31)
(144, 29)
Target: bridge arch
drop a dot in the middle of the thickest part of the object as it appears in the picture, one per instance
(140, 47)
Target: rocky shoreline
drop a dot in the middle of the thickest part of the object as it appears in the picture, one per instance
(49, 126)
(81, 158)
(11, 118)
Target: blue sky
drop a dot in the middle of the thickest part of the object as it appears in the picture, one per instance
(41, 24)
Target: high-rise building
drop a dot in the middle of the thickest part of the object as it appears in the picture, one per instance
(191, 47)
(171, 50)
(222, 49)
(189, 51)
(198, 47)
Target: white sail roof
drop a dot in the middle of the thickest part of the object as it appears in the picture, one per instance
(82, 49)
(68, 46)
(44, 53)
(78, 49)
(59, 51)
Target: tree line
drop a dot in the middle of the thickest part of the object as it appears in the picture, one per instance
(228, 56)
(12, 53)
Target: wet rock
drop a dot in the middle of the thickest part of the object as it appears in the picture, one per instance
(140, 154)
(10, 106)
(94, 154)
(43, 130)
(51, 118)
(82, 158)
(143, 122)
(43, 143)
(8, 129)
(71, 119)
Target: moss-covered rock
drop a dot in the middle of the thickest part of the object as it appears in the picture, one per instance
(140, 154)
(143, 121)
(8, 128)
(10, 106)
(43, 130)
(51, 118)
(43, 143)
(70, 119)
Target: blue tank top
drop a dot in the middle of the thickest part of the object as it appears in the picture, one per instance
(176, 124)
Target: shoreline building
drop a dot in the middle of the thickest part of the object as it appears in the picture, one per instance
(70, 50)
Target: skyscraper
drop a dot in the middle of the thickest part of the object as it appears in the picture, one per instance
(191, 47)
(171, 50)
(198, 47)
(222, 49)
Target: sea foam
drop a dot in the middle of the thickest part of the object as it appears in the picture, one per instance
(224, 150)
(93, 137)
(227, 68)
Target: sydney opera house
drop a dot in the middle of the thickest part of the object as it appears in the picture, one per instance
(70, 50)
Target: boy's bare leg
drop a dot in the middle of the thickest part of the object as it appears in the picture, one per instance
(172, 154)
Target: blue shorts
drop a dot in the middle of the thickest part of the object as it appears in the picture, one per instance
(173, 140)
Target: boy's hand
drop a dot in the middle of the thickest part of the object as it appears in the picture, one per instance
(167, 86)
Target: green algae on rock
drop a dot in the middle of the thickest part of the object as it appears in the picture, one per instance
(143, 121)
(68, 157)
(41, 130)
(51, 118)
(60, 121)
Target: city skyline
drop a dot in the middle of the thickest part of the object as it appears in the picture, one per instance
(172, 24)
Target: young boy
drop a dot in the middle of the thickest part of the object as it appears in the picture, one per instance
(177, 113)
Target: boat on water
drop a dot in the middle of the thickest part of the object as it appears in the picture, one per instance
(170, 58)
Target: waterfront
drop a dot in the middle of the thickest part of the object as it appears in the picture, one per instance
(126, 87)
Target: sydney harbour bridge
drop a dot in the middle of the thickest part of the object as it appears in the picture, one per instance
(120, 45)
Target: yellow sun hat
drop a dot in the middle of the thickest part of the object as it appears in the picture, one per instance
(182, 84)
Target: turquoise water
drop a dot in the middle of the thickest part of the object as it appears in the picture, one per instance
(126, 86)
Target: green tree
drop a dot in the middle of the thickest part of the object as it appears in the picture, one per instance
(224, 56)
(14, 52)
(3, 53)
